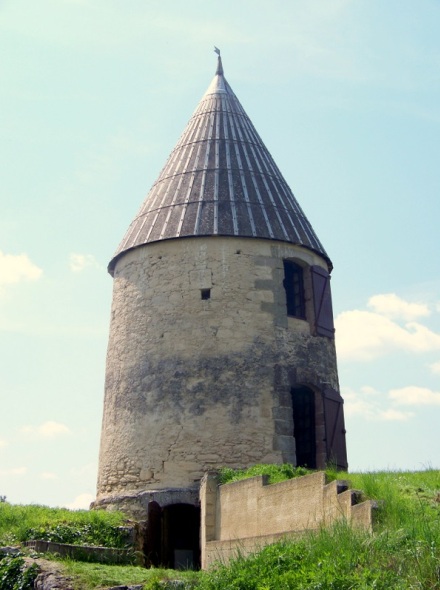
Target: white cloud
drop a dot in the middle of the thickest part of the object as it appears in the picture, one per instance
(78, 262)
(358, 407)
(371, 404)
(392, 306)
(367, 402)
(48, 429)
(16, 268)
(48, 475)
(415, 396)
(369, 391)
(435, 368)
(3, 443)
(360, 403)
(13, 471)
(81, 502)
(393, 415)
(365, 335)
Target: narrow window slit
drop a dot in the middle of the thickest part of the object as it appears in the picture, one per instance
(205, 294)
(294, 286)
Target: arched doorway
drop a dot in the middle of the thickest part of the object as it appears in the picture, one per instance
(304, 429)
(173, 536)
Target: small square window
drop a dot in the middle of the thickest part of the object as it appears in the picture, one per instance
(205, 294)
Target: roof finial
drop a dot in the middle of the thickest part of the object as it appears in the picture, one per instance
(219, 71)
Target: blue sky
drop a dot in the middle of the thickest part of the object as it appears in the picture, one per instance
(95, 93)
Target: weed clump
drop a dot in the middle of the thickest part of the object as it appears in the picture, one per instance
(275, 473)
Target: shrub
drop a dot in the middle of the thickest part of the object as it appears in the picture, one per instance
(99, 534)
(21, 523)
(15, 576)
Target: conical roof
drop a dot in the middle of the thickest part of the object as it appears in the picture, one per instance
(220, 180)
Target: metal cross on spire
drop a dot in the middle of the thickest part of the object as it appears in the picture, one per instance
(219, 65)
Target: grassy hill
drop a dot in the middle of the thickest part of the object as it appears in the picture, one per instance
(402, 553)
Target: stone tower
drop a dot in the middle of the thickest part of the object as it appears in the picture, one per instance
(221, 349)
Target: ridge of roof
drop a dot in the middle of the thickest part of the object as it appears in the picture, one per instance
(220, 180)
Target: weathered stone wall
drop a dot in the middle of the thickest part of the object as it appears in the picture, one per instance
(244, 516)
(193, 384)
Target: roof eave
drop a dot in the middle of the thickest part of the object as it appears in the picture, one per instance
(112, 264)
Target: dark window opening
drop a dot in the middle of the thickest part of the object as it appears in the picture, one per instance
(205, 294)
(304, 432)
(294, 286)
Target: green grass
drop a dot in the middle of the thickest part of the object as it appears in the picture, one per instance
(91, 576)
(275, 473)
(339, 558)
(19, 523)
(403, 552)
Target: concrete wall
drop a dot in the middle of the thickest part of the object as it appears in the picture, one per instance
(195, 384)
(246, 515)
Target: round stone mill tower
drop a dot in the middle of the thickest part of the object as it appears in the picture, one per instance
(221, 349)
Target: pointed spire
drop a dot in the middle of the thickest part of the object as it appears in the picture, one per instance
(219, 71)
(220, 180)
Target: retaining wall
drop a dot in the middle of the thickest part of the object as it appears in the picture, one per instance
(243, 516)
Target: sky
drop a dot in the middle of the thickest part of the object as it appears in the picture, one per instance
(94, 95)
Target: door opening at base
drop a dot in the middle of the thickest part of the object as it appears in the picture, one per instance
(304, 430)
(172, 536)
